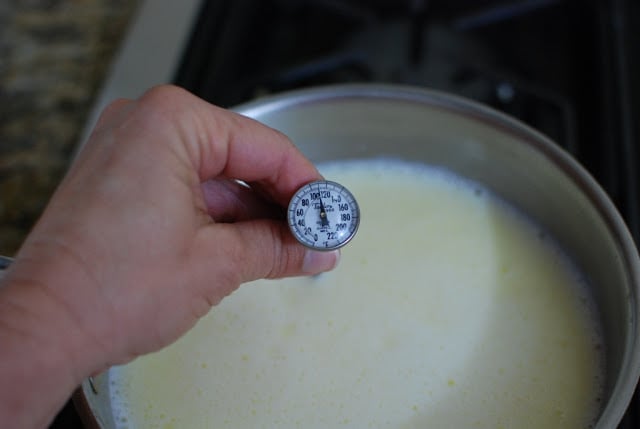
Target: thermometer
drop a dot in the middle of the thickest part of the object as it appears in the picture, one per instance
(323, 215)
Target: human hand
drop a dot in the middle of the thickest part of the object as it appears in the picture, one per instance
(149, 229)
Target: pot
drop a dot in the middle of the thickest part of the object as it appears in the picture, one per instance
(517, 163)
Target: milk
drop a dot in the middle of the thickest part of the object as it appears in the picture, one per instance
(448, 310)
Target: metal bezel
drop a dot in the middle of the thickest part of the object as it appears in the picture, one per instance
(293, 203)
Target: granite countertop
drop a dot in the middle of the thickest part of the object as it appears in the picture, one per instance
(54, 55)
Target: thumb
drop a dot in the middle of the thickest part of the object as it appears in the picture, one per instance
(260, 248)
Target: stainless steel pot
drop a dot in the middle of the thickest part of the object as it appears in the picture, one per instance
(516, 162)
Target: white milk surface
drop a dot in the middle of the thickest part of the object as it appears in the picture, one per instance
(448, 310)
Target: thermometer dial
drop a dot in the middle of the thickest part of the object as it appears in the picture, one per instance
(323, 215)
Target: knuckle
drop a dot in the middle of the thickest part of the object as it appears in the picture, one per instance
(259, 250)
(279, 255)
(264, 257)
(167, 101)
(161, 94)
(232, 272)
(112, 112)
(284, 257)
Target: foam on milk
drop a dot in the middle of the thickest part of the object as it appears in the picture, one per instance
(448, 309)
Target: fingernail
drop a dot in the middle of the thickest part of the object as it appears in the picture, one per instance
(318, 262)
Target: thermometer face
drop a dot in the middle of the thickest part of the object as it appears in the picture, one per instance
(323, 215)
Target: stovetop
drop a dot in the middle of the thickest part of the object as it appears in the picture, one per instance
(564, 67)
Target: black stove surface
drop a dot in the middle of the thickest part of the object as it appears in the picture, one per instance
(565, 67)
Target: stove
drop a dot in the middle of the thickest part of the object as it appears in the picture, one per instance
(564, 67)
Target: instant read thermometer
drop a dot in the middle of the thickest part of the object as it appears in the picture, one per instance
(323, 215)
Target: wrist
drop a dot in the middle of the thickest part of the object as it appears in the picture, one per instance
(43, 357)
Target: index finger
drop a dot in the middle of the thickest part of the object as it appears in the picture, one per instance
(221, 142)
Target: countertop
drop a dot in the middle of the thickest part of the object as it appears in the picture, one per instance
(54, 55)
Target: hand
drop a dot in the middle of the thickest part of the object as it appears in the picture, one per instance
(150, 229)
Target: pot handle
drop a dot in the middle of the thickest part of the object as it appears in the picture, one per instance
(4, 264)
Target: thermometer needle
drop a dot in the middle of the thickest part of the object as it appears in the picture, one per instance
(323, 215)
